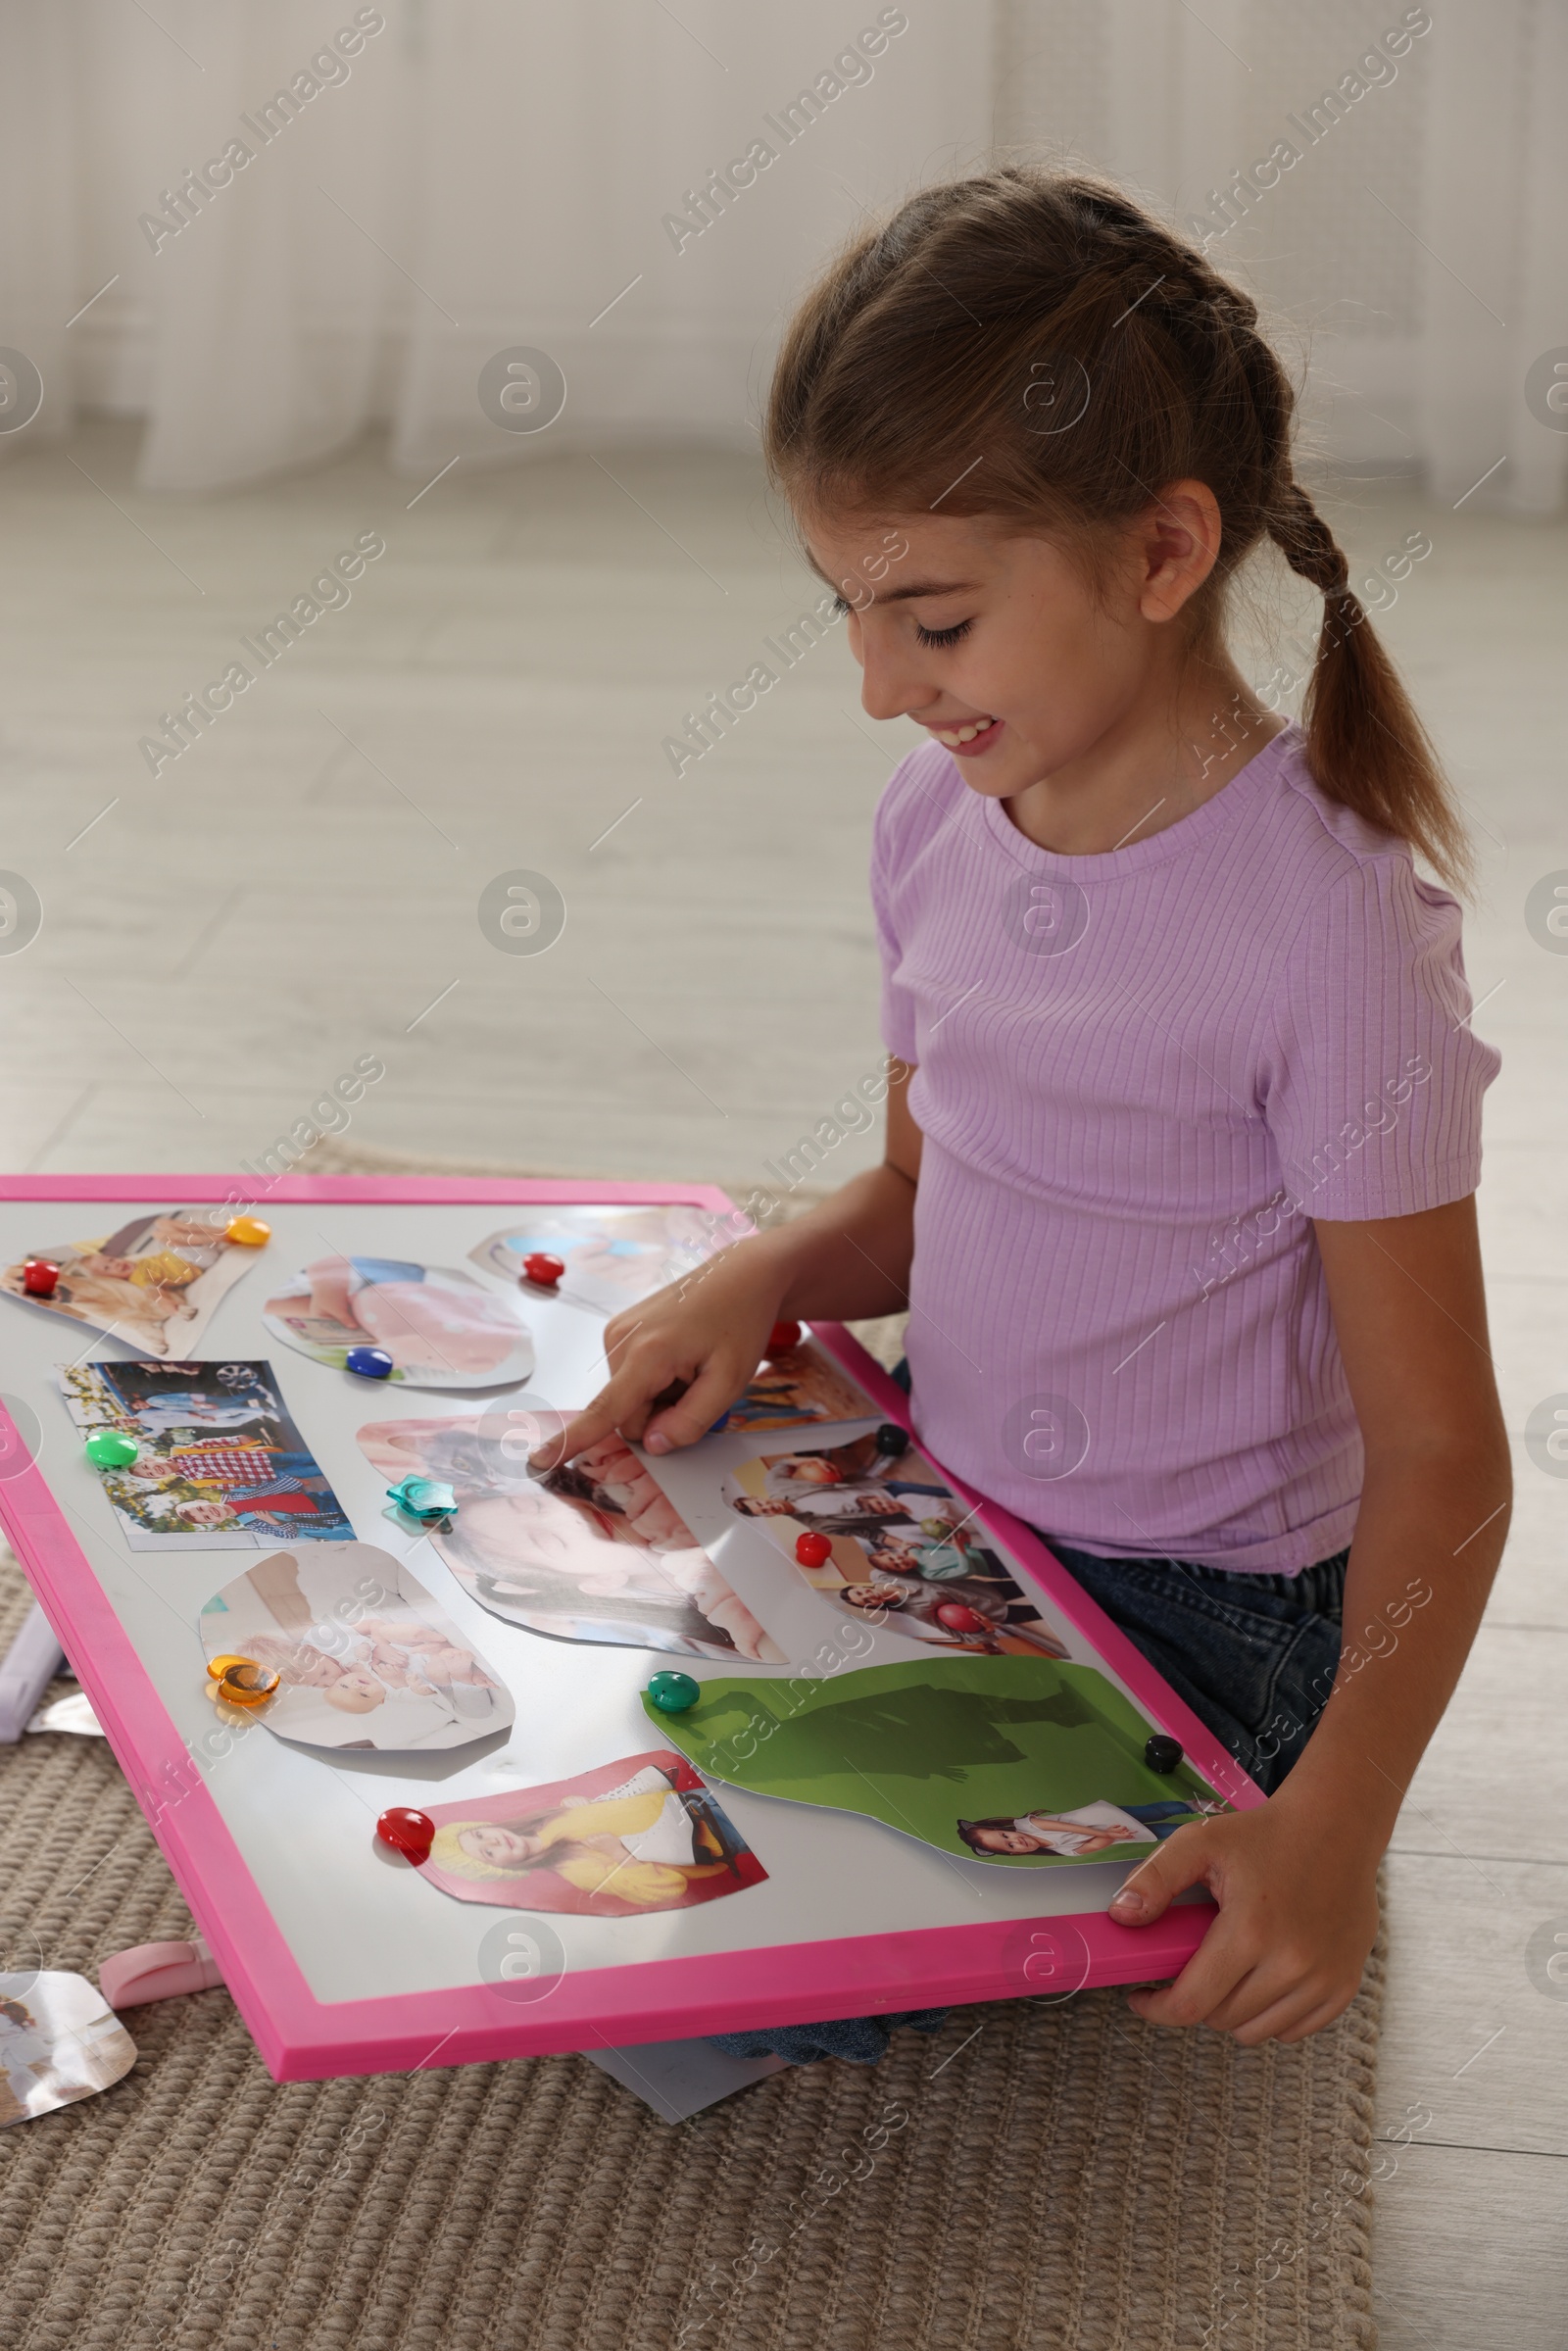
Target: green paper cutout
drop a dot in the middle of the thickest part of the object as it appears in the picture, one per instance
(922, 1745)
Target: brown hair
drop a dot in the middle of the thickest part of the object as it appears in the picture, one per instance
(1032, 346)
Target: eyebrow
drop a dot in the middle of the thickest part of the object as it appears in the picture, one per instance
(916, 587)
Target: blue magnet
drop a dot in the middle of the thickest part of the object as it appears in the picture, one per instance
(424, 1498)
(370, 1362)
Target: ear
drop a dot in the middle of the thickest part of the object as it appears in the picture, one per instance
(1180, 536)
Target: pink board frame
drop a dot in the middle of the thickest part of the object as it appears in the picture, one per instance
(303, 2039)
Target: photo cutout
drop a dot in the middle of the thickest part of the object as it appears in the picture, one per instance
(60, 2043)
(441, 1327)
(593, 1552)
(367, 1658)
(613, 1255)
(222, 1466)
(1024, 1762)
(793, 1389)
(154, 1283)
(905, 1552)
(638, 1835)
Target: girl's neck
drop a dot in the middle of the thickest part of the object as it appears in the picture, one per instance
(1161, 760)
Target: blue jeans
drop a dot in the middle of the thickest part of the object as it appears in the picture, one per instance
(1254, 1656)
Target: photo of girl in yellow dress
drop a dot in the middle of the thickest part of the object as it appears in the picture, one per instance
(638, 1835)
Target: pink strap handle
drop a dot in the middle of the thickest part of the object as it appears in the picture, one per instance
(157, 1972)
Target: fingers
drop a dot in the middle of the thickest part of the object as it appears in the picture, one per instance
(676, 1414)
(1182, 1860)
(584, 1429)
(1209, 1978)
(692, 1413)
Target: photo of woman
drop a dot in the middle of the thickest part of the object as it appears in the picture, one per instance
(641, 1833)
(594, 1551)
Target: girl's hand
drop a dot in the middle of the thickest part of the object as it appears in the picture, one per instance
(703, 1337)
(1298, 1915)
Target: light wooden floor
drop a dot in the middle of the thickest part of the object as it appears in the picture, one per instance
(301, 888)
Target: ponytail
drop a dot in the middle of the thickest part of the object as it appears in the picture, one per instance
(1366, 744)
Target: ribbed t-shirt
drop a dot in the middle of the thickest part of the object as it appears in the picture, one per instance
(1142, 1076)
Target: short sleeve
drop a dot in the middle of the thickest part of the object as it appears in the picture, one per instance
(899, 1030)
(1372, 1076)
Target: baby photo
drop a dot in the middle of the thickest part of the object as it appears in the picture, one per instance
(441, 1327)
(594, 1550)
(366, 1659)
(154, 1283)
(638, 1835)
(613, 1256)
(904, 1549)
(220, 1466)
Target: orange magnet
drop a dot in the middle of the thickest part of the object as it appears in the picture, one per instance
(242, 1682)
(248, 1231)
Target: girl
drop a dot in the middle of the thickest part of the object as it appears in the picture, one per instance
(638, 1843)
(1181, 1190)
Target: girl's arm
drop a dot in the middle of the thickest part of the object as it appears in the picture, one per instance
(848, 1257)
(1295, 1881)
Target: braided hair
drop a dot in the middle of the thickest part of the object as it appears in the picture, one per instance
(1099, 358)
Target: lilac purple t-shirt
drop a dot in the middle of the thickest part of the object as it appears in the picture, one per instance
(1141, 1077)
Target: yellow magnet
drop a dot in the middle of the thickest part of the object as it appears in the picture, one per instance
(248, 1231)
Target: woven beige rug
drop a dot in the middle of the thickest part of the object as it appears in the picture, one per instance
(1037, 2178)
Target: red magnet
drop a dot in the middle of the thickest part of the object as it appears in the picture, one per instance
(782, 1337)
(39, 1276)
(812, 1549)
(411, 1834)
(959, 1619)
(544, 1270)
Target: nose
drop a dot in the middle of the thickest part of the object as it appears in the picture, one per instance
(891, 686)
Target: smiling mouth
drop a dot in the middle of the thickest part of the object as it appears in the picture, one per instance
(955, 736)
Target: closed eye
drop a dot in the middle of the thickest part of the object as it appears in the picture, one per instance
(943, 636)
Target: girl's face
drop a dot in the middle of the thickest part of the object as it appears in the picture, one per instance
(979, 633)
(203, 1514)
(1007, 1840)
(502, 1848)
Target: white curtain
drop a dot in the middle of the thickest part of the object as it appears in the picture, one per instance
(1414, 256)
(454, 178)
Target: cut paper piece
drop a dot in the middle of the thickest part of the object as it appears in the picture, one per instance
(678, 2079)
(796, 1387)
(593, 1552)
(59, 2043)
(222, 1466)
(74, 1714)
(1019, 1761)
(613, 1255)
(365, 1656)
(158, 1972)
(441, 1327)
(154, 1283)
(637, 1835)
(26, 1668)
(904, 1550)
